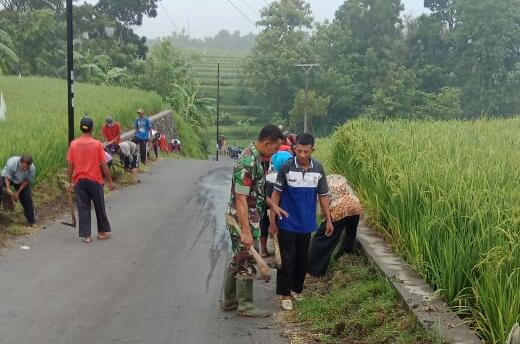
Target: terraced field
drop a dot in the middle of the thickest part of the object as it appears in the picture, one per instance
(238, 123)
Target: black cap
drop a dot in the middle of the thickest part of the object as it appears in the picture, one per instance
(86, 124)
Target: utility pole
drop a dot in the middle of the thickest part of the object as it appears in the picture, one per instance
(307, 69)
(70, 70)
(218, 105)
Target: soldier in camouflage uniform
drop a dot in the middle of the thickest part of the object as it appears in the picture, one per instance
(246, 203)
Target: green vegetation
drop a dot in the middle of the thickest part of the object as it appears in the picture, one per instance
(446, 195)
(355, 304)
(236, 123)
(106, 48)
(37, 116)
(192, 143)
(375, 63)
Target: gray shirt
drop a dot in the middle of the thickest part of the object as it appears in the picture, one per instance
(13, 171)
(128, 149)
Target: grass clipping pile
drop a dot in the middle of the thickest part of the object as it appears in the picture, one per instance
(353, 304)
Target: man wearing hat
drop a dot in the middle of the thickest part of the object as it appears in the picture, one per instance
(143, 133)
(87, 170)
(111, 131)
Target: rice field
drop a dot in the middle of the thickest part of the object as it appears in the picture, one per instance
(204, 64)
(37, 116)
(447, 197)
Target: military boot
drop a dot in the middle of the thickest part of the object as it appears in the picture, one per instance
(246, 308)
(230, 302)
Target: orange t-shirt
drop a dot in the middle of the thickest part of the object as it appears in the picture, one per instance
(112, 133)
(87, 154)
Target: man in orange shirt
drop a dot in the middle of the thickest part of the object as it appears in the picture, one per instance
(111, 131)
(87, 166)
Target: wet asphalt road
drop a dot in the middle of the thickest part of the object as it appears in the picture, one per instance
(157, 281)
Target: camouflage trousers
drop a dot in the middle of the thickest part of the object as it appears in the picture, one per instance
(242, 263)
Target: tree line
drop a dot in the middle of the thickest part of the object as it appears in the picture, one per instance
(460, 60)
(223, 40)
(106, 50)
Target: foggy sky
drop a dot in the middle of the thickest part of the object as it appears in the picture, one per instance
(206, 17)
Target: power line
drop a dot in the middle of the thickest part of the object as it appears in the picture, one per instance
(241, 12)
(169, 16)
(250, 7)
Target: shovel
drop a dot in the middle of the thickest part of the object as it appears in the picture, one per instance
(72, 212)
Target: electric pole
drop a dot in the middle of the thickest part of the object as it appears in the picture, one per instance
(70, 70)
(307, 69)
(218, 107)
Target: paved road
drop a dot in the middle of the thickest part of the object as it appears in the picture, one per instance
(157, 281)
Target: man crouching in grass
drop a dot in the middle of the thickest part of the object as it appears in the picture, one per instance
(19, 173)
(300, 182)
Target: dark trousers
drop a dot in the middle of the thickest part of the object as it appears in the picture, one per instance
(87, 192)
(25, 200)
(294, 249)
(323, 246)
(155, 144)
(142, 149)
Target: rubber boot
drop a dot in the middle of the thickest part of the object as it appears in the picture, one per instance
(246, 308)
(230, 302)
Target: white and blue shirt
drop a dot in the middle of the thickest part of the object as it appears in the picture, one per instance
(143, 127)
(299, 190)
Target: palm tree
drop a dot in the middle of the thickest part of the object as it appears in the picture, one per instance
(8, 56)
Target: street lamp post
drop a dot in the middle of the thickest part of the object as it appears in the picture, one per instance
(70, 71)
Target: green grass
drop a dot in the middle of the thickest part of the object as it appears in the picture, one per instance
(323, 151)
(37, 116)
(212, 81)
(193, 144)
(354, 304)
(446, 195)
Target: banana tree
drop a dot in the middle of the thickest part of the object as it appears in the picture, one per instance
(89, 63)
(186, 100)
(8, 56)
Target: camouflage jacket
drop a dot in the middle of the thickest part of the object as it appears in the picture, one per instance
(249, 179)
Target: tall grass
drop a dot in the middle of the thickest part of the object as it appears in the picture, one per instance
(37, 116)
(447, 196)
(193, 143)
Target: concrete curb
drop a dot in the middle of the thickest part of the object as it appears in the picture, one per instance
(429, 309)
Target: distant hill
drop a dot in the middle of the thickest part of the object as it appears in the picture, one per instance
(224, 40)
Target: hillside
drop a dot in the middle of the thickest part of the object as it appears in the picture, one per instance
(237, 120)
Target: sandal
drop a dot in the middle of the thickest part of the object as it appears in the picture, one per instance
(87, 240)
(287, 305)
(104, 235)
